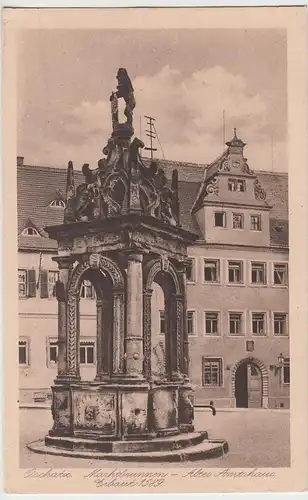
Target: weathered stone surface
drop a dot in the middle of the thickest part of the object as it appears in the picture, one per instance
(134, 413)
(95, 411)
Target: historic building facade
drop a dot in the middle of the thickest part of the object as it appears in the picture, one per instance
(237, 283)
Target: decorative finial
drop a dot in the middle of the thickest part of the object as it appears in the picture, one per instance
(235, 136)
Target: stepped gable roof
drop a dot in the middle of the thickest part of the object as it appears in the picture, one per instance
(38, 186)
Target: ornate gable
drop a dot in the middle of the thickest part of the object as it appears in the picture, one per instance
(231, 164)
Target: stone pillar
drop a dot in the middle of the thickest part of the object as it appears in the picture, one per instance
(147, 333)
(73, 337)
(99, 339)
(118, 331)
(65, 268)
(134, 331)
(181, 331)
(176, 327)
(104, 338)
(184, 362)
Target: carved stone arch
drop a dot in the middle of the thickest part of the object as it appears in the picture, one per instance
(95, 262)
(105, 264)
(153, 268)
(264, 376)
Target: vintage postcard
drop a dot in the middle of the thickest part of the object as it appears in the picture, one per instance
(155, 250)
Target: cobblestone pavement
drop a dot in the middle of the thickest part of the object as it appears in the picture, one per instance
(257, 438)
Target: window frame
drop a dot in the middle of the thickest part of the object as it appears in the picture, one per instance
(286, 266)
(57, 273)
(241, 215)
(26, 229)
(265, 273)
(243, 323)
(193, 271)
(219, 319)
(224, 215)
(242, 266)
(194, 314)
(26, 283)
(279, 335)
(236, 183)
(27, 345)
(49, 340)
(260, 223)
(219, 360)
(286, 364)
(83, 287)
(53, 204)
(218, 271)
(88, 340)
(266, 329)
(160, 313)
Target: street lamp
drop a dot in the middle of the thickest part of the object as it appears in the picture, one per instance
(280, 360)
(279, 365)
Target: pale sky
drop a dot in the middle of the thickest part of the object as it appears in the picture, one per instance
(183, 78)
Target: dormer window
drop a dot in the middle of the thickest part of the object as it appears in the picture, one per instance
(57, 204)
(236, 185)
(30, 231)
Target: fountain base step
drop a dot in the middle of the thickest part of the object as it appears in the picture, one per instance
(192, 446)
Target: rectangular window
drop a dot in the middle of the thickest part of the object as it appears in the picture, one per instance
(211, 271)
(87, 352)
(255, 222)
(22, 283)
(53, 276)
(52, 352)
(286, 371)
(211, 323)
(220, 219)
(280, 324)
(162, 320)
(258, 324)
(280, 274)
(238, 221)
(211, 371)
(235, 323)
(236, 185)
(23, 352)
(190, 270)
(87, 291)
(191, 322)
(258, 273)
(235, 270)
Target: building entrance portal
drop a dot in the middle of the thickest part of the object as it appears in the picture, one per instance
(122, 232)
(250, 382)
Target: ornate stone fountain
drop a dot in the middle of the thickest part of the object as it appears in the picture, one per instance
(122, 232)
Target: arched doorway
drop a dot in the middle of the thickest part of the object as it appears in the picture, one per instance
(250, 384)
(172, 316)
(108, 281)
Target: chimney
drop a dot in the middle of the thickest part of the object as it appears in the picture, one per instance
(20, 161)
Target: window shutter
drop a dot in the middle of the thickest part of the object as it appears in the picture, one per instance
(44, 284)
(31, 283)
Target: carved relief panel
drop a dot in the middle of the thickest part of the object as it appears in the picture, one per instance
(95, 412)
(134, 413)
(60, 409)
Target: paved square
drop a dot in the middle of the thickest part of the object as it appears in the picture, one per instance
(257, 438)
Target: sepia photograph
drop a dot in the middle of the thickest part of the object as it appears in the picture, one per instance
(152, 218)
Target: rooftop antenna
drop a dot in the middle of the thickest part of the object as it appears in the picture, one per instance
(160, 145)
(151, 134)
